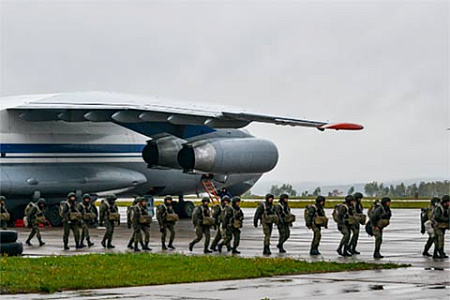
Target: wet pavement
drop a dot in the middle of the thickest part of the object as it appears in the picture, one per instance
(403, 243)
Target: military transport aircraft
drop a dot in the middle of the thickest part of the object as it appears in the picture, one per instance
(101, 142)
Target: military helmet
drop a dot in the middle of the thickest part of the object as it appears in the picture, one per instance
(435, 200)
(140, 199)
(167, 198)
(225, 198)
(320, 199)
(385, 200)
(111, 197)
(2, 198)
(235, 199)
(86, 196)
(358, 195)
(71, 194)
(283, 197)
(445, 199)
(41, 202)
(206, 199)
(268, 196)
(349, 198)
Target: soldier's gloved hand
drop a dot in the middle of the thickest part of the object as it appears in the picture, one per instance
(339, 227)
(422, 231)
(161, 229)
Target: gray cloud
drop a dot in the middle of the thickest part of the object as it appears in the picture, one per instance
(383, 64)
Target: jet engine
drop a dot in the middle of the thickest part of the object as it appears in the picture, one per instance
(233, 155)
(162, 152)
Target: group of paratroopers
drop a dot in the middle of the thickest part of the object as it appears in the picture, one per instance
(227, 219)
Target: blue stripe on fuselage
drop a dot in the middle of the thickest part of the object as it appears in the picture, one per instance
(71, 148)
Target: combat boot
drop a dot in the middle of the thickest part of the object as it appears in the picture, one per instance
(354, 251)
(213, 248)
(442, 253)
(130, 244)
(235, 251)
(80, 246)
(41, 243)
(436, 254)
(229, 248)
(280, 247)
(219, 247)
(377, 255)
(170, 246)
(339, 251)
(425, 253)
(103, 243)
(313, 251)
(266, 250)
(146, 247)
(206, 250)
(110, 246)
(347, 252)
(191, 246)
(90, 244)
(136, 248)
(66, 247)
(28, 242)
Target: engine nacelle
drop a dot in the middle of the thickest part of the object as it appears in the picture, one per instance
(162, 152)
(234, 155)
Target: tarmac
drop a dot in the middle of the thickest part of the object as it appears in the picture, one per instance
(402, 243)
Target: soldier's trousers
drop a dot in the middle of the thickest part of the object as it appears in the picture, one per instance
(355, 236)
(267, 229)
(378, 234)
(3, 224)
(429, 243)
(84, 231)
(171, 228)
(345, 231)
(217, 238)
(35, 231)
(284, 233)
(227, 236)
(439, 238)
(109, 225)
(317, 236)
(201, 231)
(138, 229)
(68, 226)
(236, 237)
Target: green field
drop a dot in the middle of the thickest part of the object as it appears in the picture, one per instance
(57, 273)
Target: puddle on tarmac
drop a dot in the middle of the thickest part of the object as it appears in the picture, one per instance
(376, 287)
(437, 287)
(434, 269)
(347, 291)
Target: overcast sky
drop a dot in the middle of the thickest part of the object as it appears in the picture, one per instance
(384, 64)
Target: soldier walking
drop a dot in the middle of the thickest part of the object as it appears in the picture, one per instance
(267, 215)
(380, 219)
(345, 220)
(166, 219)
(441, 224)
(4, 214)
(315, 219)
(71, 217)
(286, 218)
(202, 221)
(426, 222)
(217, 215)
(35, 216)
(141, 223)
(227, 233)
(360, 218)
(109, 217)
(88, 215)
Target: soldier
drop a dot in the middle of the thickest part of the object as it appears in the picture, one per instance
(345, 220)
(238, 221)
(202, 221)
(109, 216)
(441, 223)
(267, 215)
(4, 214)
(315, 219)
(285, 221)
(88, 214)
(360, 219)
(35, 216)
(130, 222)
(426, 222)
(141, 222)
(71, 217)
(166, 219)
(380, 219)
(227, 230)
(217, 215)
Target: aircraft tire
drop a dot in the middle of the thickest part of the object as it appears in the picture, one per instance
(11, 249)
(8, 236)
(188, 209)
(52, 215)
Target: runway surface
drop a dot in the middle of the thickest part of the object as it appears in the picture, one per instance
(403, 243)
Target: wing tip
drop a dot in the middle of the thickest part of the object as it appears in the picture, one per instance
(341, 126)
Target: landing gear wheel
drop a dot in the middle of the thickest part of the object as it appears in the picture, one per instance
(8, 236)
(188, 209)
(11, 249)
(52, 215)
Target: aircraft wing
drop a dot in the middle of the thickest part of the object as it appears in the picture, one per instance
(125, 108)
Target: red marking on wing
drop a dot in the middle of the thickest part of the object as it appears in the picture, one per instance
(341, 126)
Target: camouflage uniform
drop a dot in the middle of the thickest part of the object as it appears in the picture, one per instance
(284, 228)
(68, 224)
(37, 210)
(107, 207)
(201, 229)
(345, 212)
(164, 225)
(86, 208)
(140, 209)
(426, 215)
(238, 219)
(355, 227)
(381, 212)
(227, 230)
(265, 209)
(441, 224)
(312, 212)
(3, 210)
(217, 213)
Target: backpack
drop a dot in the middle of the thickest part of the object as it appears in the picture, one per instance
(130, 215)
(309, 208)
(195, 214)
(375, 204)
(29, 207)
(424, 215)
(335, 213)
(369, 228)
(61, 208)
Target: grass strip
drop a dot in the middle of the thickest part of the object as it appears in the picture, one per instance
(57, 273)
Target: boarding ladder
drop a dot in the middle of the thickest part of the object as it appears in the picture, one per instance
(211, 190)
